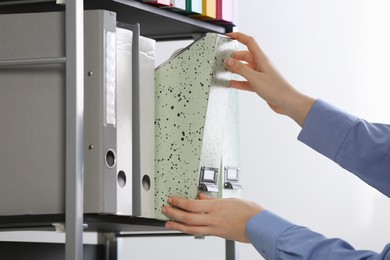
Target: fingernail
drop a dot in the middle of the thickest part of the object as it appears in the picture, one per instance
(230, 62)
(169, 200)
(168, 226)
(164, 210)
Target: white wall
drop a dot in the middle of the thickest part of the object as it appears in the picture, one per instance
(337, 50)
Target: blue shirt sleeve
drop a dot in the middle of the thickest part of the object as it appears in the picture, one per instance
(275, 239)
(358, 146)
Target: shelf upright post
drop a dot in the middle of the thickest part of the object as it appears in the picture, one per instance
(74, 29)
(231, 250)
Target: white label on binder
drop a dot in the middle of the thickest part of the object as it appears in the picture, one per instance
(110, 78)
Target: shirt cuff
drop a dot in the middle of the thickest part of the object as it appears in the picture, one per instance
(263, 231)
(325, 128)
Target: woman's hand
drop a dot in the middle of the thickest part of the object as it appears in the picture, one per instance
(266, 81)
(224, 218)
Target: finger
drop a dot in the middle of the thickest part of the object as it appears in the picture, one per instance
(203, 196)
(244, 55)
(194, 230)
(241, 85)
(197, 206)
(188, 218)
(241, 69)
(251, 44)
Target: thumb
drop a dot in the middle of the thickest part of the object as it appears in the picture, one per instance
(239, 68)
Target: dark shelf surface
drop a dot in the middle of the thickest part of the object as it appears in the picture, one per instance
(93, 223)
(46, 251)
(156, 23)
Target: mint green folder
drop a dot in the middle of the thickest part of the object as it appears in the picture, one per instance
(191, 105)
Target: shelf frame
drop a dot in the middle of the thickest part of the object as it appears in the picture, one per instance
(160, 24)
(171, 26)
(74, 179)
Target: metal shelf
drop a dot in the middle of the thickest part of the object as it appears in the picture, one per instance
(92, 223)
(46, 251)
(157, 23)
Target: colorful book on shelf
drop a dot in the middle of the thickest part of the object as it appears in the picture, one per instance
(214, 11)
(225, 11)
(158, 2)
(194, 6)
(178, 5)
(187, 7)
(209, 10)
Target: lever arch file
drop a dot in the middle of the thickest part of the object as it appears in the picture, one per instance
(145, 178)
(191, 98)
(124, 67)
(100, 114)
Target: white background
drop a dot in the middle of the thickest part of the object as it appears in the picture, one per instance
(337, 50)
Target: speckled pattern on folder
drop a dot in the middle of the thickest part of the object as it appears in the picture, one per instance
(192, 92)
